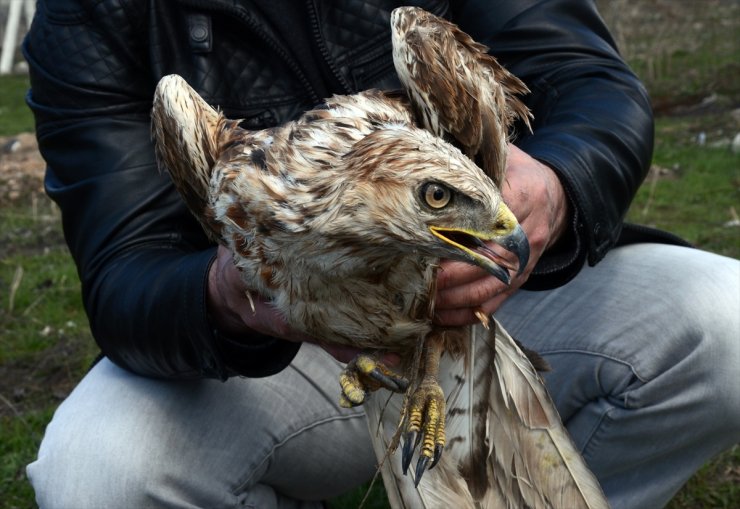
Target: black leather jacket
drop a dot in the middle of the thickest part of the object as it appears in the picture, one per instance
(143, 260)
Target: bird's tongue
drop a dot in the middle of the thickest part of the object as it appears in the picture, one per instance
(495, 253)
(503, 260)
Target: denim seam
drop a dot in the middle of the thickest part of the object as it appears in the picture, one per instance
(604, 415)
(595, 354)
(242, 486)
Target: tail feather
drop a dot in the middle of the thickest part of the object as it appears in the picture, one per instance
(529, 460)
(189, 135)
(546, 469)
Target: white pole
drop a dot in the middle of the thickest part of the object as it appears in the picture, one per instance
(11, 31)
(29, 7)
(11, 36)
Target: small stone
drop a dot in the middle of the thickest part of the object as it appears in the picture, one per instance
(735, 145)
(11, 146)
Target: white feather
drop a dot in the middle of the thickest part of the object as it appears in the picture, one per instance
(529, 460)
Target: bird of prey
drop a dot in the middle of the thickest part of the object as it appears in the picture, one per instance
(339, 218)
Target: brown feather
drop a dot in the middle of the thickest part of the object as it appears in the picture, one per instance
(457, 89)
(177, 117)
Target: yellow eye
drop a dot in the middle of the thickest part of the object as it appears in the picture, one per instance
(436, 195)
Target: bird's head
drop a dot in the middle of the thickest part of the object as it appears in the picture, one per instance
(413, 192)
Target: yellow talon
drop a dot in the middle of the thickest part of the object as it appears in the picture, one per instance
(352, 392)
(482, 317)
(431, 428)
(427, 411)
(363, 374)
(344, 402)
(365, 364)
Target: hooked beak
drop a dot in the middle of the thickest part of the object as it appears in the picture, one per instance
(471, 246)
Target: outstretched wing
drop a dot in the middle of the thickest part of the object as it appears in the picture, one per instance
(459, 92)
(507, 447)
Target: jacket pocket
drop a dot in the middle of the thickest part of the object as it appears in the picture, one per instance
(63, 12)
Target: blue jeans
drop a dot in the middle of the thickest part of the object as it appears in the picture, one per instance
(645, 351)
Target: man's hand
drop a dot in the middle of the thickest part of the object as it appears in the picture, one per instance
(535, 195)
(231, 311)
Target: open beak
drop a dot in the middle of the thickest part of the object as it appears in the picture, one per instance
(472, 247)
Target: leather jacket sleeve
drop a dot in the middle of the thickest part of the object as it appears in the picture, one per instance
(143, 260)
(593, 120)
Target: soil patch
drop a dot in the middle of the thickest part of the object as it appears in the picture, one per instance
(21, 169)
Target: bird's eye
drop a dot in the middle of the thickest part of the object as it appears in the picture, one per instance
(436, 195)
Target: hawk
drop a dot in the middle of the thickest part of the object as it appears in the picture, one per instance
(339, 218)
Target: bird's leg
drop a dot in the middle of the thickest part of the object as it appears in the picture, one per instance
(367, 373)
(426, 423)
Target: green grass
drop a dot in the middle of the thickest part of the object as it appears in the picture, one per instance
(45, 344)
(19, 439)
(716, 485)
(683, 50)
(47, 295)
(376, 499)
(697, 190)
(712, 71)
(15, 117)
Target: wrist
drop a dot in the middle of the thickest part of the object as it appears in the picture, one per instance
(220, 315)
(560, 208)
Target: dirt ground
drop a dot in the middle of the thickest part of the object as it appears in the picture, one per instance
(21, 168)
(30, 383)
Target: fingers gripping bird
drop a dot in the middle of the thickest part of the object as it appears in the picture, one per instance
(339, 218)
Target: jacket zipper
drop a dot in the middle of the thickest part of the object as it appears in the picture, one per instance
(316, 29)
(274, 44)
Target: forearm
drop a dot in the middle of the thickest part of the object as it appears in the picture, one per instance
(142, 258)
(598, 140)
(147, 312)
(593, 122)
(157, 323)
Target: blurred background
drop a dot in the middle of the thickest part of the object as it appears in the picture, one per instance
(686, 51)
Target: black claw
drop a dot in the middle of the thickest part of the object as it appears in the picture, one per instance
(409, 444)
(402, 384)
(394, 384)
(437, 455)
(420, 469)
